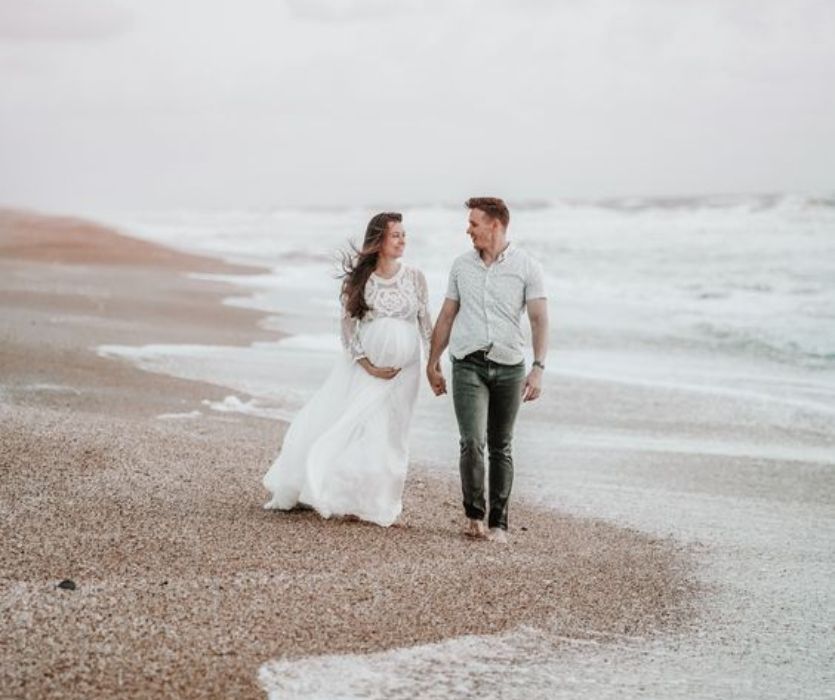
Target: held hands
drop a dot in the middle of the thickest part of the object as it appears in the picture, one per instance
(379, 372)
(533, 385)
(436, 378)
(530, 392)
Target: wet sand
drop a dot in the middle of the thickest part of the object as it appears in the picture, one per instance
(184, 586)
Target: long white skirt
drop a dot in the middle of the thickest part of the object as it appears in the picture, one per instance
(347, 451)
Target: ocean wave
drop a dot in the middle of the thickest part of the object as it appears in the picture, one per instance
(746, 202)
(739, 341)
(751, 202)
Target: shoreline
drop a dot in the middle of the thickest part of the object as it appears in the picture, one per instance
(159, 522)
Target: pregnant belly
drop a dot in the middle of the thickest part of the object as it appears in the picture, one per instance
(390, 342)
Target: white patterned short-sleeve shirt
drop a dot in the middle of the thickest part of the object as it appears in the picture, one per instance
(491, 300)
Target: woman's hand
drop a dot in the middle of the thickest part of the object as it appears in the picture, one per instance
(379, 372)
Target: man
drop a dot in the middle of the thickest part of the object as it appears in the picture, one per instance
(480, 320)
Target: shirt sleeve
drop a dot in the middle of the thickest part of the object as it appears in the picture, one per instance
(534, 281)
(350, 334)
(423, 318)
(452, 286)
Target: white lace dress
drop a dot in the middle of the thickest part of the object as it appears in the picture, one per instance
(347, 451)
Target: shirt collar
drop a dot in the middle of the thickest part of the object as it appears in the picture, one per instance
(508, 250)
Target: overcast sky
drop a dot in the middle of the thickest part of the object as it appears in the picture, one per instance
(196, 103)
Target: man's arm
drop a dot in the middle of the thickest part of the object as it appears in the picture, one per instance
(538, 316)
(440, 340)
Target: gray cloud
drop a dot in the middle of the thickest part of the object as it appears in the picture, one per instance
(255, 104)
(356, 10)
(62, 20)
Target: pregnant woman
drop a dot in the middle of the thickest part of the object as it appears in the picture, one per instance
(347, 451)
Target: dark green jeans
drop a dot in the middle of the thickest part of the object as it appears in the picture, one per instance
(486, 396)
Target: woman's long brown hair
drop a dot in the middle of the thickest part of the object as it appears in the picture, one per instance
(357, 265)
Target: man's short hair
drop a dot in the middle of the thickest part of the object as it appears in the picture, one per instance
(494, 207)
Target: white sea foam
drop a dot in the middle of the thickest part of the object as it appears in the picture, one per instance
(252, 407)
(179, 416)
(57, 388)
(315, 342)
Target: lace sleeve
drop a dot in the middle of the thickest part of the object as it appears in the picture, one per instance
(424, 320)
(350, 335)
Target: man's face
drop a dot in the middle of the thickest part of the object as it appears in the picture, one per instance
(481, 229)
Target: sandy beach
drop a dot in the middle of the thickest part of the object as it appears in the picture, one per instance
(183, 585)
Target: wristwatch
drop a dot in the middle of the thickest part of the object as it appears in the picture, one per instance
(537, 363)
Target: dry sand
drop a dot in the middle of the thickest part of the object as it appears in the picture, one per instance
(184, 585)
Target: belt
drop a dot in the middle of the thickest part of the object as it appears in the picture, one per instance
(479, 355)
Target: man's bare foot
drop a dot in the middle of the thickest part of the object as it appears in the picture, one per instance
(496, 534)
(474, 529)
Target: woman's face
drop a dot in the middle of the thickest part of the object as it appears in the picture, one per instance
(394, 240)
